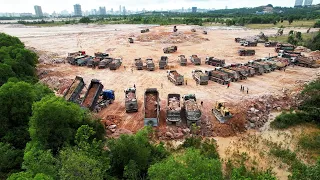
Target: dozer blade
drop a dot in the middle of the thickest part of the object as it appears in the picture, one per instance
(219, 117)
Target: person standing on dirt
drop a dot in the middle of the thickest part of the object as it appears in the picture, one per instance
(228, 85)
(201, 103)
(134, 85)
(186, 82)
(131, 70)
(241, 88)
(161, 86)
(247, 90)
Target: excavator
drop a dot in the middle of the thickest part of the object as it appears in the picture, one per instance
(221, 112)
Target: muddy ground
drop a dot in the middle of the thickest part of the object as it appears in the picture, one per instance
(56, 42)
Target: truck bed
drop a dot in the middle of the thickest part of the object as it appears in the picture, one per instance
(191, 105)
(174, 104)
(130, 96)
(151, 106)
(72, 88)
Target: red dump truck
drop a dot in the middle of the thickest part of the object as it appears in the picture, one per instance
(151, 107)
(175, 77)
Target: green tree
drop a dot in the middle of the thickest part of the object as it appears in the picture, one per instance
(299, 36)
(290, 19)
(29, 176)
(188, 166)
(5, 73)
(7, 40)
(317, 24)
(11, 159)
(85, 20)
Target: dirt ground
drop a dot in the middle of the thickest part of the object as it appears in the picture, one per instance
(219, 42)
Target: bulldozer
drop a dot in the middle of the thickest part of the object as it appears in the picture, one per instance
(221, 112)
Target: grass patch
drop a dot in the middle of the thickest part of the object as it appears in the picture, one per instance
(310, 141)
(286, 120)
(301, 23)
(284, 39)
(47, 24)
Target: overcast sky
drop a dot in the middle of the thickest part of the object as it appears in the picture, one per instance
(58, 5)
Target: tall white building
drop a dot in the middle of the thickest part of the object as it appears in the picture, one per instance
(308, 2)
(77, 10)
(298, 3)
(38, 11)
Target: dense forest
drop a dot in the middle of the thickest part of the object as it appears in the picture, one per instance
(42, 136)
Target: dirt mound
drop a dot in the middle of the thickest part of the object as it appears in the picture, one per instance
(58, 84)
(171, 38)
(315, 55)
(46, 57)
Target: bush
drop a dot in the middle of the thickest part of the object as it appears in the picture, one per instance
(310, 141)
(317, 24)
(85, 20)
(285, 120)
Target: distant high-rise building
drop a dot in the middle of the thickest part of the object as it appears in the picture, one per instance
(102, 11)
(38, 11)
(308, 2)
(77, 10)
(111, 10)
(120, 9)
(298, 3)
(124, 10)
(194, 9)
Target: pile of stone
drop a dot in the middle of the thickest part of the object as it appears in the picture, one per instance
(130, 96)
(174, 104)
(191, 105)
(174, 133)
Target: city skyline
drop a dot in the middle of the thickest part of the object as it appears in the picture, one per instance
(18, 6)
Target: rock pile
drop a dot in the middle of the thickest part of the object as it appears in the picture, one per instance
(174, 133)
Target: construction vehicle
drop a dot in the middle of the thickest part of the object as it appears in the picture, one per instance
(261, 38)
(73, 60)
(131, 102)
(175, 77)
(265, 66)
(150, 64)
(280, 32)
(200, 77)
(250, 70)
(242, 42)
(115, 64)
(170, 49)
(281, 62)
(144, 30)
(195, 60)
(163, 63)
(250, 44)
(83, 61)
(104, 63)
(204, 32)
(215, 62)
(193, 30)
(78, 53)
(183, 60)
(237, 40)
(192, 110)
(242, 72)
(130, 40)
(101, 55)
(93, 62)
(138, 63)
(151, 107)
(234, 76)
(175, 29)
(221, 112)
(286, 47)
(92, 99)
(73, 92)
(306, 62)
(270, 44)
(218, 76)
(173, 109)
(257, 68)
(244, 52)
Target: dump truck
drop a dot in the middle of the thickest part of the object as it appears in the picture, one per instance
(248, 52)
(130, 40)
(182, 60)
(200, 77)
(150, 64)
(131, 102)
(78, 53)
(74, 59)
(115, 64)
(170, 49)
(265, 66)
(215, 62)
(218, 76)
(138, 63)
(250, 70)
(192, 110)
(151, 107)
(281, 62)
(104, 63)
(242, 72)
(92, 95)
(163, 63)
(175, 77)
(270, 44)
(93, 62)
(286, 47)
(250, 44)
(257, 68)
(234, 76)
(144, 30)
(83, 61)
(306, 62)
(73, 92)
(195, 60)
(221, 112)
(101, 55)
(173, 109)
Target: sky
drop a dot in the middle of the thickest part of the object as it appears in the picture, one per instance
(49, 6)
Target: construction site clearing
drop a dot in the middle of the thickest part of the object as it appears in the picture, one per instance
(250, 109)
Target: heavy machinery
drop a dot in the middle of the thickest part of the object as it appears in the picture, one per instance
(258, 68)
(195, 60)
(250, 44)
(131, 102)
(175, 29)
(270, 44)
(104, 63)
(83, 61)
(286, 47)
(221, 112)
(130, 40)
(74, 59)
(215, 62)
(280, 32)
(306, 62)
(234, 76)
(92, 99)
(250, 70)
(73, 92)
(151, 107)
(163, 63)
(200, 77)
(265, 66)
(173, 109)
(281, 62)
(150, 64)
(170, 49)
(78, 53)
(138, 63)
(193, 30)
(192, 110)
(115, 64)
(261, 38)
(182, 60)
(175, 77)
(204, 32)
(144, 30)
(101, 55)
(244, 52)
(242, 72)
(218, 76)
(93, 62)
